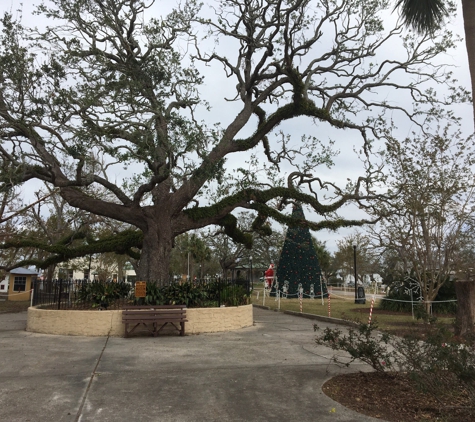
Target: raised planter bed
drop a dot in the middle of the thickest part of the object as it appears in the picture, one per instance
(104, 323)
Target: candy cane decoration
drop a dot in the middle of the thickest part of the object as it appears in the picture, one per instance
(301, 302)
(329, 308)
(371, 311)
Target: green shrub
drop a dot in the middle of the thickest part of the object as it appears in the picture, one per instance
(441, 364)
(234, 296)
(400, 301)
(153, 295)
(361, 343)
(192, 295)
(176, 294)
(102, 294)
(184, 294)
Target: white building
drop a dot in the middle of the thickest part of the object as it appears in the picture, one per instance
(4, 286)
(93, 269)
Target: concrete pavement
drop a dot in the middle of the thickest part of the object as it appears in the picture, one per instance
(272, 371)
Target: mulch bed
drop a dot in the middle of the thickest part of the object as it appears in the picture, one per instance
(394, 397)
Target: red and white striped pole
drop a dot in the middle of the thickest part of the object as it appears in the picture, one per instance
(301, 301)
(329, 307)
(371, 311)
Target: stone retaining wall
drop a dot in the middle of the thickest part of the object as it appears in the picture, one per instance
(103, 323)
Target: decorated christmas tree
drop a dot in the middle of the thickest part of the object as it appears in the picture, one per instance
(298, 264)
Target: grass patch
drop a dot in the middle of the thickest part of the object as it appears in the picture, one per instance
(9, 306)
(344, 307)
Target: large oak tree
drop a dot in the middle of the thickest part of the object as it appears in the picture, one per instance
(115, 84)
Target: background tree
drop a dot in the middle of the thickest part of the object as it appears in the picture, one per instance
(431, 221)
(265, 247)
(192, 256)
(325, 258)
(51, 232)
(13, 226)
(107, 88)
(8, 257)
(367, 260)
(391, 270)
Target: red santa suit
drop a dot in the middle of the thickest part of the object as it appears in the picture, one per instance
(269, 276)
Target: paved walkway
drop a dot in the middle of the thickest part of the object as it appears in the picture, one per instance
(272, 371)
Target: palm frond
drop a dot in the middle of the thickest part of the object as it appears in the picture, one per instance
(422, 15)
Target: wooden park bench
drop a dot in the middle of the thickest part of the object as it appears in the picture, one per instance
(154, 318)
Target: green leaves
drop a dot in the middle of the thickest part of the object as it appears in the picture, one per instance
(199, 295)
(103, 294)
(362, 343)
(116, 105)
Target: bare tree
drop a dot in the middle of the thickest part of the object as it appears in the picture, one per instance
(107, 83)
(265, 247)
(431, 222)
(367, 262)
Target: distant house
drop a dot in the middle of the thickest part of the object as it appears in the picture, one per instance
(19, 283)
(368, 279)
(79, 269)
(4, 287)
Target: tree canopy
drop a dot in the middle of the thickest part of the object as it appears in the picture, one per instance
(110, 106)
(430, 225)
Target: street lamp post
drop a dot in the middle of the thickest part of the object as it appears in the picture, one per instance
(188, 275)
(356, 282)
(252, 281)
(89, 271)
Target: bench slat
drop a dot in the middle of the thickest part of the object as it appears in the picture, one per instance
(153, 318)
(155, 311)
(148, 307)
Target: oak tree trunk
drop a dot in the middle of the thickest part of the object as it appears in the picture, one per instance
(156, 252)
(465, 321)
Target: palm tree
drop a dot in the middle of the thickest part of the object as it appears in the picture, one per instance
(426, 15)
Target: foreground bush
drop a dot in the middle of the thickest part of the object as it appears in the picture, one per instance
(441, 364)
(361, 344)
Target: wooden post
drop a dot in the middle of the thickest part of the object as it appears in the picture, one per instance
(465, 321)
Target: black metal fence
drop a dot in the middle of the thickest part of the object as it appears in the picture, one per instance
(86, 294)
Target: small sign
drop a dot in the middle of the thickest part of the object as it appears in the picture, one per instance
(140, 288)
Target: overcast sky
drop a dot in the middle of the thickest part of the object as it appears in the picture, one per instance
(346, 164)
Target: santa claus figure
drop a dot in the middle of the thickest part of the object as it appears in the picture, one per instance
(269, 276)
